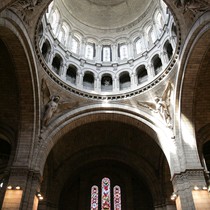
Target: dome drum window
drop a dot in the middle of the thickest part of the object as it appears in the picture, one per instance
(142, 74)
(46, 49)
(106, 83)
(57, 64)
(125, 81)
(157, 64)
(71, 74)
(88, 81)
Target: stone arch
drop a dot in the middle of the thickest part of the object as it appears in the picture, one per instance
(124, 80)
(94, 114)
(106, 82)
(194, 52)
(71, 74)
(157, 63)
(168, 49)
(46, 50)
(115, 156)
(142, 74)
(20, 49)
(88, 80)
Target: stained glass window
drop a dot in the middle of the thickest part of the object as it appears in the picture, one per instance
(117, 198)
(105, 194)
(106, 197)
(94, 198)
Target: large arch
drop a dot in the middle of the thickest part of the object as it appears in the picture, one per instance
(15, 37)
(194, 51)
(151, 126)
(104, 139)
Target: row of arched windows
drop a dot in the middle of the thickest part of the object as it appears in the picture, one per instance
(90, 49)
(107, 196)
(106, 81)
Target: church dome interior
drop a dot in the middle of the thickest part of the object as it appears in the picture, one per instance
(106, 53)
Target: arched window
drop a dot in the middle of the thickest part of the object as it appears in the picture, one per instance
(117, 198)
(157, 63)
(150, 36)
(94, 198)
(75, 45)
(169, 50)
(142, 74)
(46, 48)
(71, 74)
(105, 194)
(88, 81)
(106, 83)
(106, 53)
(139, 45)
(54, 21)
(159, 22)
(107, 197)
(123, 51)
(125, 81)
(90, 51)
(63, 33)
(56, 63)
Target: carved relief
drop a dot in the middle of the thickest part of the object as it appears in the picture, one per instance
(161, 105)
(52, 104)
(192, 6)
(25, 8)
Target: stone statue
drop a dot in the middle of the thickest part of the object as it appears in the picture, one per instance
(196, 6)
(52, 104)
(161, 105)
(193, 6)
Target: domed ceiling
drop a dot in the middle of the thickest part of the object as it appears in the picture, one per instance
(105, 14)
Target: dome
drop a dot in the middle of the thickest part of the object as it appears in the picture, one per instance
(104, 14)
(105, 49)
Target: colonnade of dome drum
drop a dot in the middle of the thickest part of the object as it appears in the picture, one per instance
(108, 65)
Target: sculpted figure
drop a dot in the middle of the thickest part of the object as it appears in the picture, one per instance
(196, 6)
(52, 104)
(161, 105)
(193, 6)
(50, 108)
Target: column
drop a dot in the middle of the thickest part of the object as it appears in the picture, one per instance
(80, 76)
(98, 53)
(63, 70)
(83, 45)
(68, 43)
(50, 59)
(189, 190)
(130, 50)
(97, 83)
(114, 53)
(164, 58)
(116, 84)
(133, 83)
(151, 71)
(22, 189)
